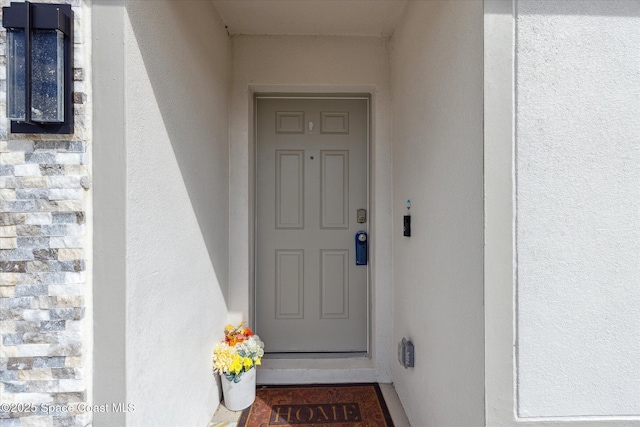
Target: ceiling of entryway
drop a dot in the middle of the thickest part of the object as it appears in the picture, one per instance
(311, 17)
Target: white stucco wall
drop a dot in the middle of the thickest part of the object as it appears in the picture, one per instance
(437, 163)
(309, 64)
(578, 208)
(177, 74)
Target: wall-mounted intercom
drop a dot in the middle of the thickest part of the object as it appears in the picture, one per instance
(406, 353)
(361, 248)
(406, 222)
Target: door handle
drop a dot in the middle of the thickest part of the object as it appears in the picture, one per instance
(361, 247)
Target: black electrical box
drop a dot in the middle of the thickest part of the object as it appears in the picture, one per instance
(406, 353)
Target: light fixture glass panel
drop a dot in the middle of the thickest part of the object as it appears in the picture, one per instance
(16, 74)
(47, 72)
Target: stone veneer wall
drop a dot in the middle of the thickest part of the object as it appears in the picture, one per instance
(44, 250)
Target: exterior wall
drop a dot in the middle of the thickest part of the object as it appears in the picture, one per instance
(577, 209)
(436, 74)
(109, 209)
(498, 212)
(45, 253)
(561, 232)
(176, 208)
(299, 64)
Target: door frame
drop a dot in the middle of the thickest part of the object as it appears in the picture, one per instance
(376, 367)
(254, 216)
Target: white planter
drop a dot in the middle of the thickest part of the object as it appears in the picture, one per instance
(240, 395)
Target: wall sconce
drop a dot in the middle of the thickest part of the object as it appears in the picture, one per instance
(39, 67)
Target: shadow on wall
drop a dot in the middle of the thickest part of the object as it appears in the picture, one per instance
(191, 91)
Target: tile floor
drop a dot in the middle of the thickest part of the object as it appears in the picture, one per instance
(226, 418)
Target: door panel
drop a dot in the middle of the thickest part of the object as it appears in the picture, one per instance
(311, 179)
(289, 189)
(334, 280)
(289, 284)
(334, 188)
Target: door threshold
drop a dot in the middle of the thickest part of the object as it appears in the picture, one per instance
(318, 370)
(302, 355)
(310, 371)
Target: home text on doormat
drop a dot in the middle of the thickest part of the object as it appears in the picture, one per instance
(318, 413)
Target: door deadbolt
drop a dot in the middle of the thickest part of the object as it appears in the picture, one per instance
(362, 216)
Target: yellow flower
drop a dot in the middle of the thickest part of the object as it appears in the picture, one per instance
(236, 364)
(222, 357)
(258, 361)
(248, 363)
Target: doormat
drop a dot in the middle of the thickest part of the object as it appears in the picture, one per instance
(322, 405)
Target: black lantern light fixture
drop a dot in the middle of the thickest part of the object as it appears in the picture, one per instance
(39, 67)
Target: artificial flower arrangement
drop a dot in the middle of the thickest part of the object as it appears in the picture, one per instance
(240, 351)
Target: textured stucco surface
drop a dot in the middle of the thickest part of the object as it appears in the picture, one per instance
(177, 211)
(290, 64)
(578, 208)
(437, 163)
(109, 212)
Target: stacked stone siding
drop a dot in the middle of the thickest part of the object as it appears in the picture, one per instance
(44, 189)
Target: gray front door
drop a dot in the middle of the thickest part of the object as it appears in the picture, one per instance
(311, 181)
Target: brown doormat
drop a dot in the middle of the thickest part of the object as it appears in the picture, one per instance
(324, 405)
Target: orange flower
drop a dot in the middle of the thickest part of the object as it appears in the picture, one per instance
(236, 334)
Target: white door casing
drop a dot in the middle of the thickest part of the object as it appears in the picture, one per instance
(312, 177)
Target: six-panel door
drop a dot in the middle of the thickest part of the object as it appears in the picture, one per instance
(311, 180)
